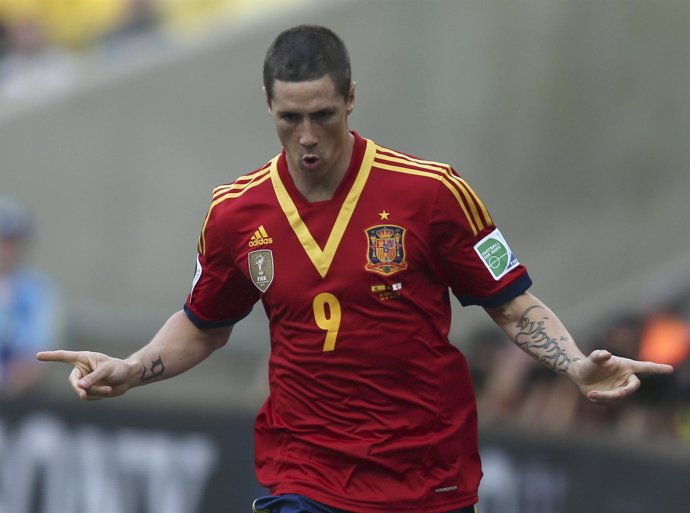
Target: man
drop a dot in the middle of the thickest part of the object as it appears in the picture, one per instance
(352, 248)
(28, 304)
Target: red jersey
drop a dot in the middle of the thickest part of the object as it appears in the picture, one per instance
(371, 408)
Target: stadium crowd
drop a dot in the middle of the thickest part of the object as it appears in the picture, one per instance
(42, 41)
(513, 388)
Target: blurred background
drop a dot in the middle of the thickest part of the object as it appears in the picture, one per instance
(570, 118)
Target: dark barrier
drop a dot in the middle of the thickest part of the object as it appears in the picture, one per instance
(107, 457)
(102, 457)
(583, 473)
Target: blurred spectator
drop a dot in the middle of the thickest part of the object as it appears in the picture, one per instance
(512, 388)
(139, 18)
(503, 374)
(3, 39)
(28, 316)
(41, 41)
(31, 67)
(666, 335)
(666, 338)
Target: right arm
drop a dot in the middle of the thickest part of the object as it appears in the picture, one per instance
(178, 346)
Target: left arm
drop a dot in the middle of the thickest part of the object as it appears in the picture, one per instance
(601, 376)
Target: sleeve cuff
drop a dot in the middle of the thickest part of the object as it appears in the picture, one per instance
(205, 325)
(504, 295)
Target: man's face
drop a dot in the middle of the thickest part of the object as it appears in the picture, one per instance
(311, 121)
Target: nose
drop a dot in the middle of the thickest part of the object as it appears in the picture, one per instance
(308, 137)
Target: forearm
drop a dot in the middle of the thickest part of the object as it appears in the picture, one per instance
(178, 346)
(535, 329)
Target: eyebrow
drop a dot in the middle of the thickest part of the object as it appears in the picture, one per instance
(325, 110)
(320, 112)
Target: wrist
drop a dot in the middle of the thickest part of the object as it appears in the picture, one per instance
(135, 368)
(145, 369)
(577, 370)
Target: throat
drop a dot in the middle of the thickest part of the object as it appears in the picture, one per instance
(318, 187)
(318, 193)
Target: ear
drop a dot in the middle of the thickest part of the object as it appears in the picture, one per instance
(351, 99)
(268, 101)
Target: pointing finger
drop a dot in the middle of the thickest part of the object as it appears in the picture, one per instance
(58, 356)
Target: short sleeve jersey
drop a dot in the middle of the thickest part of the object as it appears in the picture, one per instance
(371, 408)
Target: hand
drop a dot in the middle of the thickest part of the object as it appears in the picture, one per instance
(603, 377)
(95, 375)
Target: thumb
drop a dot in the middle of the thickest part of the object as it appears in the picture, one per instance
(600, 356)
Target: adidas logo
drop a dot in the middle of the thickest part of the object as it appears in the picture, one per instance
(260, 238)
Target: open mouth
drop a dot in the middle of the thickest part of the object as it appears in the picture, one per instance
(310, 161)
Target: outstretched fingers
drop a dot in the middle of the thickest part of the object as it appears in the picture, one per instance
(607, 396)
(652, 368)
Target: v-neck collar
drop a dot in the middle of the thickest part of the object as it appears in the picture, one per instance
(351, 188)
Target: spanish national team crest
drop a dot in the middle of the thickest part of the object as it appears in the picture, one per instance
(386, 253)
(261, 268)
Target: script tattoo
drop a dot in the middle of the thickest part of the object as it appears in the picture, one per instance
(156, 370)
(533, 339)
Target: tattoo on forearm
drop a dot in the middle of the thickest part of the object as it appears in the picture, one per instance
(156, 370)
(533, 339)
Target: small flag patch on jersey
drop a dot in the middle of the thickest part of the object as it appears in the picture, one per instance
(381, 288)
(494, 252)
(260, 238)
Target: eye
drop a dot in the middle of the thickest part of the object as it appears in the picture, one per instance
(322, 115)
(290, 117)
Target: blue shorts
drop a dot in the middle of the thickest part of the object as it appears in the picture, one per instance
(293, 503)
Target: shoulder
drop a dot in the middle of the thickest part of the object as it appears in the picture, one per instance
(246, 187)
(436, 181)
(432, 176)
(401, 165)
(231, 203)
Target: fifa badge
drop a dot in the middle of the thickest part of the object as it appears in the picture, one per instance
(261, 268)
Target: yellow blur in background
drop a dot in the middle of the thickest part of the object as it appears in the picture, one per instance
(76, 24)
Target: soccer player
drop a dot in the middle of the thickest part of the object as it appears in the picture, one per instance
(353, 248)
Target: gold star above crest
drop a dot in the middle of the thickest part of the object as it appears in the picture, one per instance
(384, 215)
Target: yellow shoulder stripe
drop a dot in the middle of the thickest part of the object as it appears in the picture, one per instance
(241, 184)
(476, 213)
(233, 190)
